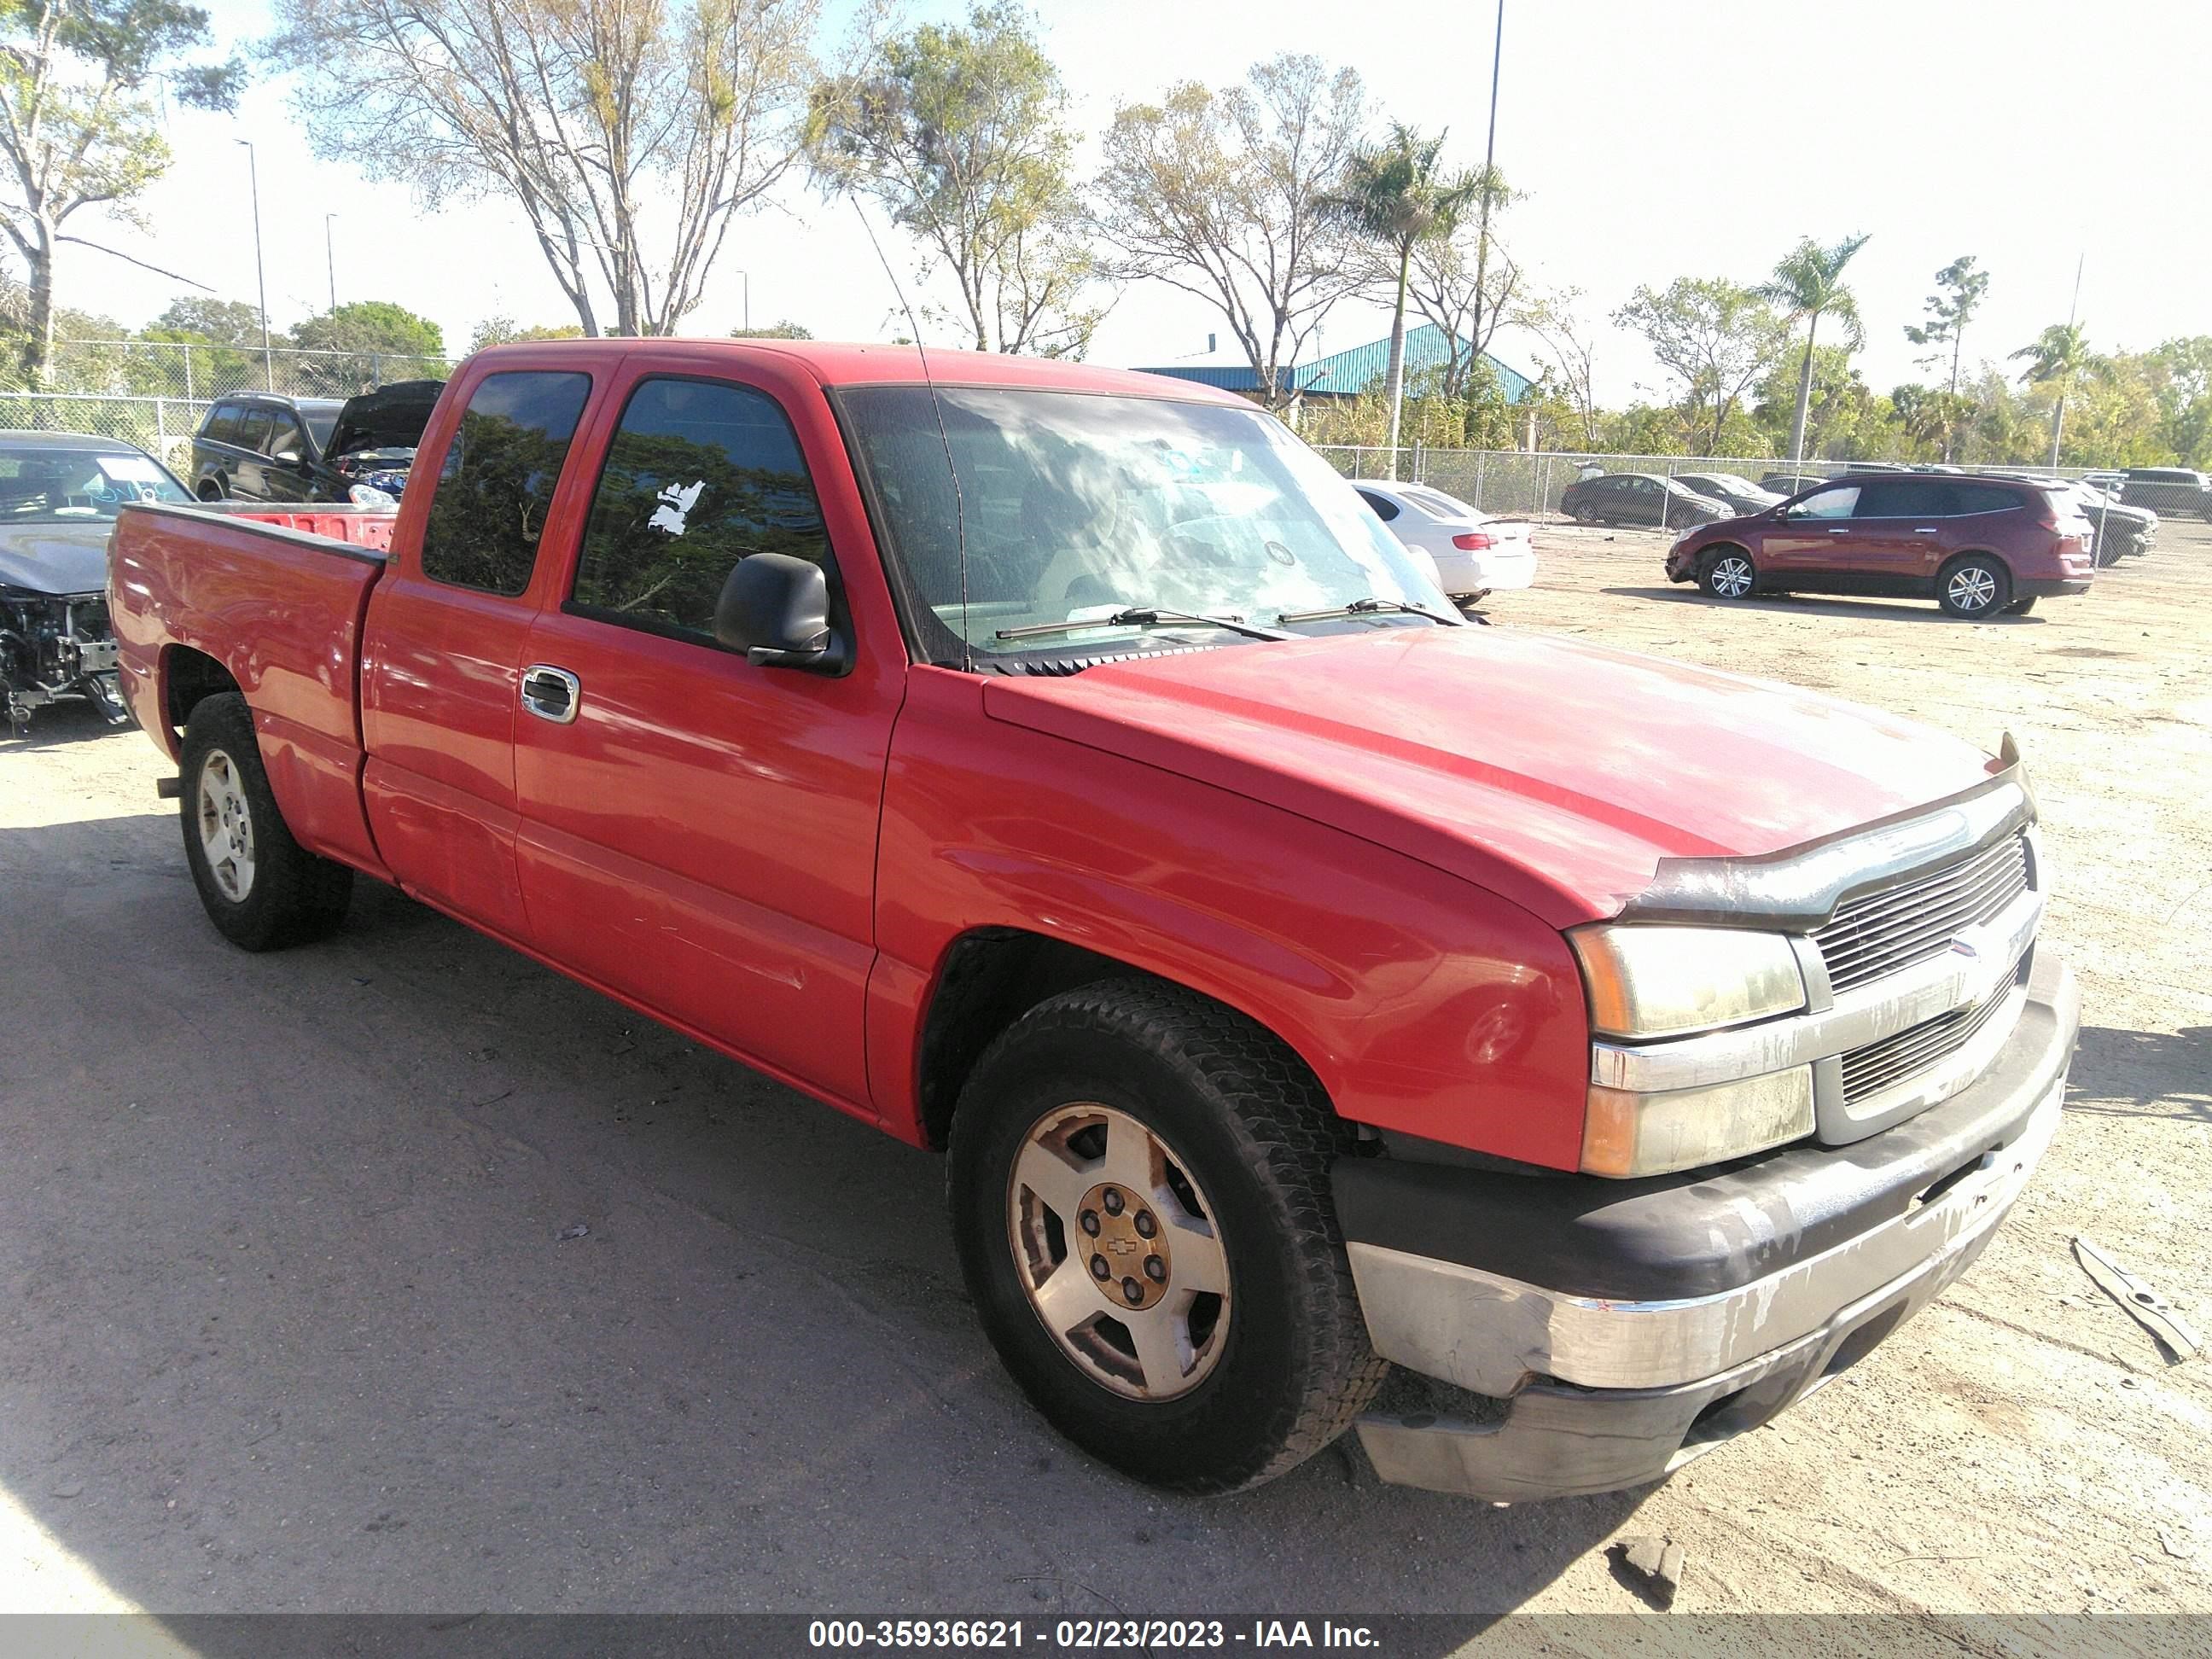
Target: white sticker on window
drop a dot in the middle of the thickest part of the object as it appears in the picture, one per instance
(129, 469)
(676, 501)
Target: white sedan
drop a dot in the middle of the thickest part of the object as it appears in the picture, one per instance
(1474, 553)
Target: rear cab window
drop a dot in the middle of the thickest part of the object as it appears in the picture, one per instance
(699, 475)
(498, 477)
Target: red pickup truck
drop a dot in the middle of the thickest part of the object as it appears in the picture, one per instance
(1552, 1060)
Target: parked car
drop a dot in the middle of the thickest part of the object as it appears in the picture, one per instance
(2121, 530)
(2170, 491)
(1978, 546)
(60, 494)
(1792, 483)
(1631, 498)
(1058, 766)
(1475, 553)
(260, 446)
(1734, 492)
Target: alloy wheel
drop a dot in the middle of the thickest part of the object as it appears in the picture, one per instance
(1115, 1247)
(1971, 587)
(1732, 576)
(226, 826)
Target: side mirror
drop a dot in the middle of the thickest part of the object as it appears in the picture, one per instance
(286, 458)
(775, 609)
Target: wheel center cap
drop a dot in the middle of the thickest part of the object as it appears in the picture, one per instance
(1123, 1247)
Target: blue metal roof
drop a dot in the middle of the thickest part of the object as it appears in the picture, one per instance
(1347, 373)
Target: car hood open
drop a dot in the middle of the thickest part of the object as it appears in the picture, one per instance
(56, 556)
(390, 417)
(1557, 774)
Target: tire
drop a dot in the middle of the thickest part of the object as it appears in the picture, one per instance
(1973, 588)
(1727, 572)
(261, 889)
(2021, 607)
(1229, 1139)
(1586, 512)
(2109, 552)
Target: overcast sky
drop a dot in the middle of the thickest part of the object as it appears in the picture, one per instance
(1653, 140)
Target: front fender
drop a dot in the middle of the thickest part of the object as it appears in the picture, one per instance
(1422, 1002)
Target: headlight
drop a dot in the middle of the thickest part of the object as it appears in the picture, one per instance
(1667, 981)
(369, 495)
(1627, 1134)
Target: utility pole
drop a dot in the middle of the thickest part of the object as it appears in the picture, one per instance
(330, 253)
(745, 286)
(260, 272)
(1489, 164)
(2073, 310)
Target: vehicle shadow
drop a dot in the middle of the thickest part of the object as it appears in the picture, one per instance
(57, 724)
(400, 1272)
(2158, 1074)
(1830, 605)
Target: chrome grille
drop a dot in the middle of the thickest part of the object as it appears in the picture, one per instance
(1868, 1071)
(1885, 931)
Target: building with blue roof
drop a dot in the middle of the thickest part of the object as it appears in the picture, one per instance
(1347, 373)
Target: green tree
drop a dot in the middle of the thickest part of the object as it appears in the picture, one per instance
(2184, 400)
(505, 330)
(1807, 285)
(1466, 284)
(2055, 360)
(1958, 291)
(367, 343)
(958, 134)
(1715, 337)
(1219, 194)
(1397, 195)
(79, 128)
(784, 329)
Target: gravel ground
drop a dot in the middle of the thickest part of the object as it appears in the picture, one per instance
(287, 1320)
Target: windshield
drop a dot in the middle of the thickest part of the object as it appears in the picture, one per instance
(79, 484)
(1077, 506)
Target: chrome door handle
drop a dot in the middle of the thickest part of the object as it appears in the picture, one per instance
(1926, 530)
(551, 693)
(1839, 532)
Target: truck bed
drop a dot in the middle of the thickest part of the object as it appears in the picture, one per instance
(278, 608)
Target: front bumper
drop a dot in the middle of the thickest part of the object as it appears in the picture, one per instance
(1610, 1376)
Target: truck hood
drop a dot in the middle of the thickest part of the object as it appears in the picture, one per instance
(1555, 773)
(55, 557)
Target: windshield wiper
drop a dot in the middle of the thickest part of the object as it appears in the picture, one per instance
(1368, 607)
(1144, 616)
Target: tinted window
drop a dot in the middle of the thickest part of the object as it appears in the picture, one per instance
(254, 430)
(284, 434)
(222, 426)
(1827, 503)
(699, 475)
(498, 478)
(1384, 510)
(1982, 498)
(1902, 499)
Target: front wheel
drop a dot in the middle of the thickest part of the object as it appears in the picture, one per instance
(1974, 587)
(1139, 1182)
(1727, 573)
(261, 887)
(1586, 512)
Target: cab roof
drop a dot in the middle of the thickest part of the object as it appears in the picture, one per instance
(842, 363)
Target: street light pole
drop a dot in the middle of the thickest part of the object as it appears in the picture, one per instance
(260, 272)
(745, 286)
(330, 252)
(1489, 165)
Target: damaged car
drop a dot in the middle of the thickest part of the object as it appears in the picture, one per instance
(60, 494)
(255, 445)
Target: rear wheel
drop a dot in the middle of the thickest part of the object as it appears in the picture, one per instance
(1138, 1183)
(1727, 573)
(1974, 587)
(2021, 607)
(261, 887)
(1586, 512)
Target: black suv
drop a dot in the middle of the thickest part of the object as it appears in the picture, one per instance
(2168, 490)
(262, 446)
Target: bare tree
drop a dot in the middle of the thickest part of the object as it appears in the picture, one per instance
(631, 133)
(79, 129)
(1220, 194)
(1570, 351)
(1452, 286)
(958, 134)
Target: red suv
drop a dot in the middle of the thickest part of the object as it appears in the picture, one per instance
(1977, 546)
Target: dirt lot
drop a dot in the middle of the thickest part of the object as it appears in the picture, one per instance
(287, 1320)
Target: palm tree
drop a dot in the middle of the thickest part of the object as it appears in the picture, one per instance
(1809, 285)
(1395, 195)
(2059, 354)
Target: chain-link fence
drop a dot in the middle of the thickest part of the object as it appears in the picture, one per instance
(154, 393)
(1518, 482)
